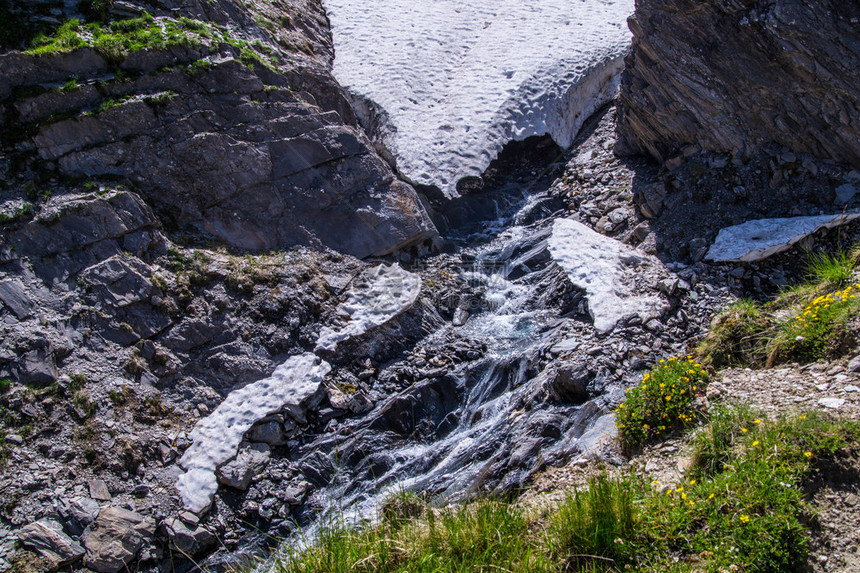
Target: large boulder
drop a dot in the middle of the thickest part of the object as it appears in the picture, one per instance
(116, 538)
(732, 75)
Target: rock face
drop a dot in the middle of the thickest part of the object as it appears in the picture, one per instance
(731, 76)
(232, 131)
(618, 280)
(445, 85)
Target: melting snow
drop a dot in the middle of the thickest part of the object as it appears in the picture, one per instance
(376, 296)
(294, 385)
(618, 280)
(457, 79)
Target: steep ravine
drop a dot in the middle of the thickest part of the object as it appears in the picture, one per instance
(178, 307)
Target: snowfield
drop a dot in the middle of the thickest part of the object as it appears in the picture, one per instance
(456, 80)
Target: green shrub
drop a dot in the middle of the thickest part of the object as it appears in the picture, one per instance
(5, 384)
(663, 402)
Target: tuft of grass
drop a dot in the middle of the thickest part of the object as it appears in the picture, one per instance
(585, 530)
(663, 402)
(735, 336)
(832, 270)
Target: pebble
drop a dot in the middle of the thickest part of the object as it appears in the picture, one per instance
(833, 403)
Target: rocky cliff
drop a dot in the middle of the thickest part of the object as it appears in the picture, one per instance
(735, 75)
(221, 115)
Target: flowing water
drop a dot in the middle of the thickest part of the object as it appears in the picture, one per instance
(487, 424)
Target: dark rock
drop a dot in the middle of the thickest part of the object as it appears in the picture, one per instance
(14, 296)
(116, 538)
(47, 538)
(78, 514)
(189, 540)
(37, 368)
(731, 76)
(249, 462)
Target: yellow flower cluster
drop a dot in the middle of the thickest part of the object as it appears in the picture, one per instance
(813, 310)
(662, 401)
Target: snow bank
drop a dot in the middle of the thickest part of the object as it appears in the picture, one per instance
(618, 280)
(758, 239)
(457, 79)
(376, 296)
(294, 385)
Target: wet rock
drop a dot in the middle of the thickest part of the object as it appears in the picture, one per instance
(116, 538)
(249, 462)
(189, 540)
(47, 538)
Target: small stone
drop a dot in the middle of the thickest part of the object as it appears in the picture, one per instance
(15, 439)
(854, 365)
(832, 403)
(99, 490)
(852, 388)
(189, 518)
(668, 286)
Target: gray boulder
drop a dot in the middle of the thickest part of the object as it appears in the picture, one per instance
(250, 461)
(116, 538)
(188, 540)
(47, 538)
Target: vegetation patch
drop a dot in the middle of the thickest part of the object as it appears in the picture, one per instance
(663, 402)
(804, 323)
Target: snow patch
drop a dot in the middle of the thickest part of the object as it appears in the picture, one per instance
(758, 239)
(618, 280)
(376, 296)
(458, 79)
(295, 385)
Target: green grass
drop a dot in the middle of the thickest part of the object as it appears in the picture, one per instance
(804, 323)
(478, 536)
(663, 402)
(740, 508)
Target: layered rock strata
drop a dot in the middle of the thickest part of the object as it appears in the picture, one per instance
(733, 76)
